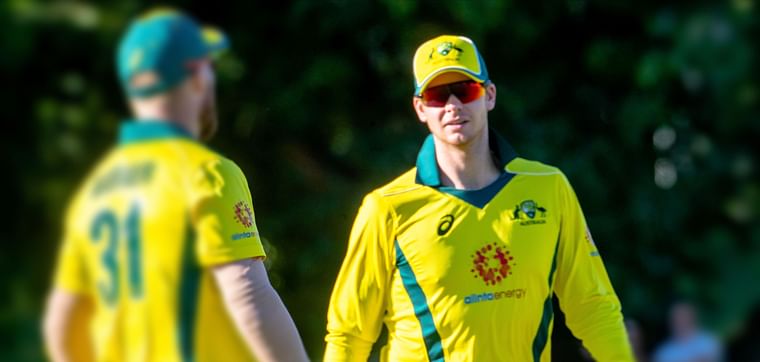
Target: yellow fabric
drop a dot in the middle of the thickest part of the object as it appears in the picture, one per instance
(139, 236)
(447, 53)
(483, 309)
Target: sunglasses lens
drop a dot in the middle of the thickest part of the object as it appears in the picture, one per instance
(466, 91)
(436, 96)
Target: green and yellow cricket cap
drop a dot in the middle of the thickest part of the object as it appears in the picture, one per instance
(447, 53)
(163, 43)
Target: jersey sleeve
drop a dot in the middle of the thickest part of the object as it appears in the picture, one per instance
(586, 296)
(71, 273)
(357, 304)
(222, 214)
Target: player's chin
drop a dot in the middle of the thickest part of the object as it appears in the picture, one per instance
(457, 139)
(458, 136)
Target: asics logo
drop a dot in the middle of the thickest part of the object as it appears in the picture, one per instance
(445, 224)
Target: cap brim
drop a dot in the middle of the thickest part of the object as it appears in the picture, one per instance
(454, 69)
(216, 41)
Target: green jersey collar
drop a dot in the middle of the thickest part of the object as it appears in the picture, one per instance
(480, 198)
(150, 130)
(427, 166)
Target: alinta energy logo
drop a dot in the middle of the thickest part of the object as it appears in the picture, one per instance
(492, 263)
(243, 214)
(529, 212)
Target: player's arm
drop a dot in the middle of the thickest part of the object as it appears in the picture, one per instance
(591, 307)
(258, 312)
(69, 308)
(230, 247)
(66, 326)
(357, 304)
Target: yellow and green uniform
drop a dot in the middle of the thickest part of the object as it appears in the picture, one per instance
(469, 275)
(139, 237)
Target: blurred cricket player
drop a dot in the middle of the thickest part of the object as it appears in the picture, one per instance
(460, 256)
(161, 257)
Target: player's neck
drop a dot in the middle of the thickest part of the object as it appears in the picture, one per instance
(469, 167)
(178, 115)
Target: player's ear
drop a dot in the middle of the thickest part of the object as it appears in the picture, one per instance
(200, 76)
(490, 95)
(419, 108)
(196, 82)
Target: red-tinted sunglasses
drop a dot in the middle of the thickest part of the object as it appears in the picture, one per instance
(466, 91)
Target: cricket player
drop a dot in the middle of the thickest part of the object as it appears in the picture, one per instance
(161, 257)
(460, 256)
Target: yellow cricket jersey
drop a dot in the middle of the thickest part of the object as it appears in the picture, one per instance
(469, 275)
(139, 236)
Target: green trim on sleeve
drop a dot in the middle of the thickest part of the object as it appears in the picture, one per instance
(542, 335)
(421, 309)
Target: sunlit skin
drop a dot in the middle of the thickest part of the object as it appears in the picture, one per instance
(457, 124)
(190, 105)
(209, 119)
(460, 132)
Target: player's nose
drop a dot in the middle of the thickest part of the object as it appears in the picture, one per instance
(453, 104)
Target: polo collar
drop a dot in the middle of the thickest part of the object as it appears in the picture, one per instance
(427, 165)
(150, 130)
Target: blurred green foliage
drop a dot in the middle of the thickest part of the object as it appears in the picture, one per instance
(651, 109)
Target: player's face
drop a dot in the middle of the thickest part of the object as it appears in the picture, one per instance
(208, 117)
(453, 121)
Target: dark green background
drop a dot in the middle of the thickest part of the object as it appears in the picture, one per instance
(315, 102)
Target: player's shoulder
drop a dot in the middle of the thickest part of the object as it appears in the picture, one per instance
(404, 184)
(546, 178)
(402, 187)
(185, 162)
(200, 158)
(100, 177)
(521, 166)
(216, 172)
(224, 164)
(200, 154)
(541, 175)
(402, 195)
